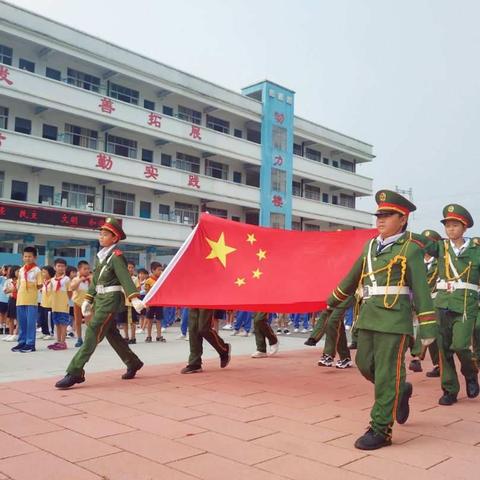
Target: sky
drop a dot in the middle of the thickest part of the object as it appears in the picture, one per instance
(402, 76)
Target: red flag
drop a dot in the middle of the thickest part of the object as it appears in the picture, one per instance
(235, 266)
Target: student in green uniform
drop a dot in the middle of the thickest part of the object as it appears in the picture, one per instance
(418, 351)
(336, 338)
(263, 331)
(106, 297)
(457, 302)
(391, 273)
(200, 326)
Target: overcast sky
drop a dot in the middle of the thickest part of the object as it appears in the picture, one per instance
(403, 76)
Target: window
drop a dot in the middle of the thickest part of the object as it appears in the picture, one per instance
(335, 199)
(164, 212)
(216, 169)
(218, 124)
(189, 115)
(254, 136)
(26, 65)
(69, 252)
(312, 192)
(297, 189)
(50, 132)
(83, 80)
(279, 180)
(313, 155)
(166, 160)
(121, 146)
(149, 105)
(277, 220)
(82, 137)
(145, 210)
(237, 177)
(297, 226)
(346, 165)
(347, 200)
(279, 138)
(53, 74)
(6, 54)
(76, 196)
(23, 125)
(186, 213)
(45, 194)
(187, 162)
(335, 163)
(297, 149)
(19, 190)
(147, 155)
(4, 117)
(167, 111)
(2, 180)
(235, 218)
(123, 93)
(325, 197)
(326, 161)
(218, 212)
(252, 178)
(119, 203)
(311, 228)
(237, 133)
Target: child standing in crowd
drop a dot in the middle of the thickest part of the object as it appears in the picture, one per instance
(29, 282)
(154, 313)
(79, 286)
(244, 319)
(282, 324)
(61, 294)
(142, 278)
(3, 299)
(10, 288)
(128, 317)
(45, 309)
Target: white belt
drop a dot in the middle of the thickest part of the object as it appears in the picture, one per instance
(114, 288)
(434, 294)
(369, 291)
(452, 286)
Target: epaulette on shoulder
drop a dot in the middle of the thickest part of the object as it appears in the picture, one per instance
(118, 252)
(418, 242)
(417, 239)
(476, 241)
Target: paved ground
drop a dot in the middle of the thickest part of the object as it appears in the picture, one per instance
(276, 418)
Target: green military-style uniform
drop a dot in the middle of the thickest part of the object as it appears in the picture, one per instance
(263, 331)
(457, 307)
(476, 331)
(431, 266)
(106, 291)
(336, 338)
(200, 327)
(388, 272)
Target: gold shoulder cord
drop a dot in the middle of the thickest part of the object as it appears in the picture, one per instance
(451, 278)
(399, 259)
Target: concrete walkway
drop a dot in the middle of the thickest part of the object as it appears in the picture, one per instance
(275, 418)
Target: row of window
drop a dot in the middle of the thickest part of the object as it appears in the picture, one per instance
(317, 156)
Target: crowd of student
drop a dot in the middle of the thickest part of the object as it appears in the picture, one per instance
(45, 303)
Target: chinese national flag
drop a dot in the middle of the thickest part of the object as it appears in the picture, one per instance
(235, 266)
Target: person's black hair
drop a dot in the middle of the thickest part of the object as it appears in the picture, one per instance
(154, 266)
(13, 270)
(142, 270)
(69, 270)
(130, 262)
(82, 262)
(50, 270)
(60, 260)
(31, 250)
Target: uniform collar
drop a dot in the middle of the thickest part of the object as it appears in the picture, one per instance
(459, 250)
(104, 252)
(382, 243)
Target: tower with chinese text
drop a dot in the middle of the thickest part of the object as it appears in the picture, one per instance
(277, 152)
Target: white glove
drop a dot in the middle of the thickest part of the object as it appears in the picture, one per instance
(86, 308)
(138, 305)
(427, 341)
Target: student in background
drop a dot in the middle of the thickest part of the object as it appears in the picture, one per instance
(154, 314)
(45, 309)
(10, 288)
(79, 286)
(3, 299)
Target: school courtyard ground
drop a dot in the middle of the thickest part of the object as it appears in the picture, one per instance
(259, 419)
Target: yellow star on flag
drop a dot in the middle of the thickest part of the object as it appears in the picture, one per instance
(219, 250)
(239, 282)
(257, 273)
(251, 238)
(262, 254)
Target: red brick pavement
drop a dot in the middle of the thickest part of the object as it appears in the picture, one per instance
(275, 418)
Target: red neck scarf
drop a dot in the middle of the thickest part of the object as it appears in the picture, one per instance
(26, 269)
(59, 283)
